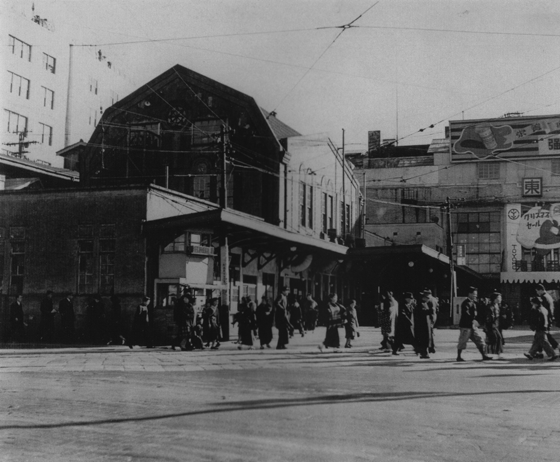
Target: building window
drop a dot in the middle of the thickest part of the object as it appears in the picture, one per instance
(49, 63)
(302, 207)
(48, 98)
(478, 234)
(324, 202)
(268, 283)
(178, 245)
(347, 218)
(19, 85)
(201, 187)
(19, 48)
(17, 254)
(46, 134)
(85, 266)
(106, 264)
(488, 170)
(16, 122)
(145, 136)
(309, 205)
(203, 131)
(342, 218)
(555, 167)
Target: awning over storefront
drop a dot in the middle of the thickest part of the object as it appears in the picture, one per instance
(536, 277)
(243, 230)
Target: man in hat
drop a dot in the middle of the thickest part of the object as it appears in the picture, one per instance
(433, 304)
(548, 304)
(469, 326)
(540, 324)
(281, 318)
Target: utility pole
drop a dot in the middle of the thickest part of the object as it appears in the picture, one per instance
(452, 291)
(344, 217)
(223, 236)
(21, 144)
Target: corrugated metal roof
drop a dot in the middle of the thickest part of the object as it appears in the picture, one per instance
(280, 129)
(439, 145)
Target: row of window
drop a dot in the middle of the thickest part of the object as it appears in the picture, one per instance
(17, 123)
(491, 170)
(19, 48)
(21, 87)
(306, 199)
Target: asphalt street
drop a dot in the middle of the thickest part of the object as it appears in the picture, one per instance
(359, 404)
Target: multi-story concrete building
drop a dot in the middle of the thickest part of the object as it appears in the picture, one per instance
(52, 93)
(502, 178)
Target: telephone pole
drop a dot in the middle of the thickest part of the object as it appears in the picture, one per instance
(452, 287)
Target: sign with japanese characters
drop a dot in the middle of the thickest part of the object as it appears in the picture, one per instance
(531, 227)
(512, 137)
(532, 187)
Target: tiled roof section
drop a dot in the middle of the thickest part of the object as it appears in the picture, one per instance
(38, 167)
(280, 129)
(439, 145)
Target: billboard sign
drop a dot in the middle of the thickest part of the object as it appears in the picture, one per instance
(513, 137)
(531, 227)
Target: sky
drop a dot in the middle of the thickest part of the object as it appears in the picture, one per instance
(403, 66)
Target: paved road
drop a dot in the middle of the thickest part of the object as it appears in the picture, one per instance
(114, 404)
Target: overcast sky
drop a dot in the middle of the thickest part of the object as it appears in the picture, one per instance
(503, 57)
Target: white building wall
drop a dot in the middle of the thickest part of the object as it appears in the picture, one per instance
(313, 164)
(43, 37)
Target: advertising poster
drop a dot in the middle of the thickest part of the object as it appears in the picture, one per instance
(514, 137)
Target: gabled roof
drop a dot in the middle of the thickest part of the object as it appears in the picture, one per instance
(279, 128)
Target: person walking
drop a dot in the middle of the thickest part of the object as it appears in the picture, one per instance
(16, 320)
(281, 318)
(67, 317)
(548, 304)
(493, 334)
(141, 326)
(335, 315)
(468, 326)
(404, 331)
(388, 318)
(265, 320)
(296, 318)
(423, 333)
(351, 324)
(540, 324)
(47, 318)
(247, 324)
(116, 326)
(310, 313)
(95, 313)
(211, 324)
(433, 303)
(181, 339)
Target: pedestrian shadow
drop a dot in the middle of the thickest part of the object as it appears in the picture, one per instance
(267, 404)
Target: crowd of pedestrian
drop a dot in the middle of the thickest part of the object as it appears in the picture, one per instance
(407, 321)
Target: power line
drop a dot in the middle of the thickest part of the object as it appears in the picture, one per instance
(462, 31)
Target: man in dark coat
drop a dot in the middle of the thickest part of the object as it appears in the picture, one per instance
(423, 332)
(95, 315)
(183, 327)
(67, 317)
(281, 318)
(265, 320)
(140, 333)
(469, 326)
(548, 304)
(16, 319)
(47, 317)
(404, 331)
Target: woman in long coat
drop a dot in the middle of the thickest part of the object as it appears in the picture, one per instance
(493, 331)
(335, 315)
(423, 313)
(351, 325)
(211, 324)
(265, 320)
(281, 319)
(246, 326)
(405, 323)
